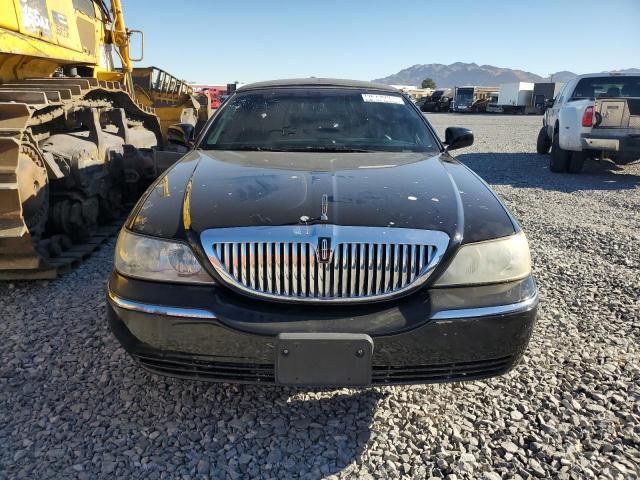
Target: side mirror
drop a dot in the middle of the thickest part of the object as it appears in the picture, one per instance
(141, 33)
(549, 103)
(457, 137)
(182, 134)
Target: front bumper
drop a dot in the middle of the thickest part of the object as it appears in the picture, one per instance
(210, 333)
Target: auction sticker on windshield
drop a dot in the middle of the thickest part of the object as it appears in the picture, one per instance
(374, 98)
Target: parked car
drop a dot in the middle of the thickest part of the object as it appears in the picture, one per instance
(421, 101)
(439, 101)
(593, 116)
(319, 233)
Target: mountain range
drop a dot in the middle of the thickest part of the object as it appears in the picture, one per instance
(472, 74)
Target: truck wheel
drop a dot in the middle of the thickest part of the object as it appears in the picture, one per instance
(576, 163)
(560, 158)
(543, 144)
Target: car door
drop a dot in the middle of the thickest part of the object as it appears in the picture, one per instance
(551, 115)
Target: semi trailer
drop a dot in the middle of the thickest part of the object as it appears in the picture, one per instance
(543, 93)
(513, 97)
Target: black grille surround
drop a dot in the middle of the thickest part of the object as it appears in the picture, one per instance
(446, 372)
(199, 369)
(184, 366)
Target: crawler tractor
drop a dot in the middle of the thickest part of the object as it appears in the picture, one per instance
(79, 138)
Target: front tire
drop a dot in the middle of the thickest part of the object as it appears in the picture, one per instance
(559, 162)
(543, 143)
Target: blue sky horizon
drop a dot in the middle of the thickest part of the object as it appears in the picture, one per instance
(209, 42)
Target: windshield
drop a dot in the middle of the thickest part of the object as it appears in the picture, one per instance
(436, 95)
(464, 96)
(598, 87)
(319, 119)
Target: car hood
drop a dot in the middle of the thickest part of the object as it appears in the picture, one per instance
(381, 189)
(361, 189)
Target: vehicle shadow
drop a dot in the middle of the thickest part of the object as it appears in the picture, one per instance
(263, 431)
(532, 170)
(72, 400)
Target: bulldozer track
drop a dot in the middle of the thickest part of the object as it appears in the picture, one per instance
(27, 110)
(69, 259)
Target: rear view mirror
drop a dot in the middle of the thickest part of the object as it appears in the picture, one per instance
(457, 137)
(141, 33)
(549, 103)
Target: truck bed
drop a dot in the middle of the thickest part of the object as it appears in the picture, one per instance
(616, 128)
(617, 113)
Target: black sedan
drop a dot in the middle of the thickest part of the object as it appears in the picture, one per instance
(319, 233)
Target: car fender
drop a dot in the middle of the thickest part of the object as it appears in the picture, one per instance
(549, 121)
(570, 126)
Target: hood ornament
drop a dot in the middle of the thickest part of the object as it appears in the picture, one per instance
(325, 208)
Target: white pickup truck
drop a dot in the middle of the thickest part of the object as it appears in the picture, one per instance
(593, 116)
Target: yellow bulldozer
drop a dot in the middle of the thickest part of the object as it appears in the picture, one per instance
(79, 137)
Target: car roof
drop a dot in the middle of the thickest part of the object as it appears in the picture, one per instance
(318, 82)
(608, 74)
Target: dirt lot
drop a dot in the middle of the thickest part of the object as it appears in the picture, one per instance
(73, 405)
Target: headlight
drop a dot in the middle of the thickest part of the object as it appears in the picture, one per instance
(495, 261)
(153, 259)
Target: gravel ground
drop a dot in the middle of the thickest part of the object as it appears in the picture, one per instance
(73, 405)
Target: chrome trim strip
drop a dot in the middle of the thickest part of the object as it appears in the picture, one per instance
(352, 271)
(350, 247)
(519, 307)
(379, 287)
(344, 258)
(369, 290)
(141, 307)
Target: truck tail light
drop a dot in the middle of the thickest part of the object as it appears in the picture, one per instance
(587, 117)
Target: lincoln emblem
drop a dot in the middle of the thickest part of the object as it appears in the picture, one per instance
(324, 250)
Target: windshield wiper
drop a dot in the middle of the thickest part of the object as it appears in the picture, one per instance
(244, 148)
(253, 148)
(329, 149)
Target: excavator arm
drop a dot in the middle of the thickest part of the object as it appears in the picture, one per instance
(120, 37)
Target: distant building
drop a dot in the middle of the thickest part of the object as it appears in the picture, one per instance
(405, 87)
(413, 91)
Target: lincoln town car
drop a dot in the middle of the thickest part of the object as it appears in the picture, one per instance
(318, 232)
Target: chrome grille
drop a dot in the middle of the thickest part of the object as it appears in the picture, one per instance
(293, 269)
(283, 262)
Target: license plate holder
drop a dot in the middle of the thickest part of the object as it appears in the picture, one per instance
(323, 359)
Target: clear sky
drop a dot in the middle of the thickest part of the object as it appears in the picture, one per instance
(225, 41)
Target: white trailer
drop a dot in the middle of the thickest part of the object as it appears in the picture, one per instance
(514, 97)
